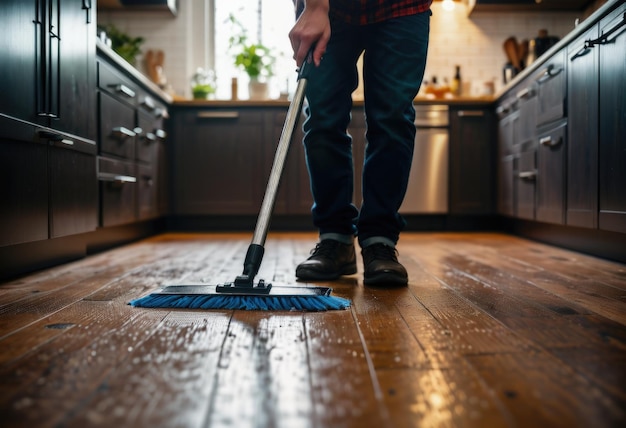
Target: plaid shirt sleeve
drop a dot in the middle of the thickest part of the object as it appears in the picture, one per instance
(362, 12)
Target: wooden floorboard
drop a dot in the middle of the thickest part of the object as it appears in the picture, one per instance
(492, 331)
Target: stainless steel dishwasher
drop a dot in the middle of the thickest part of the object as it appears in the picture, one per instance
(427, 192)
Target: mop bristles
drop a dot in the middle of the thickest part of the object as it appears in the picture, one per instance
(240, 302)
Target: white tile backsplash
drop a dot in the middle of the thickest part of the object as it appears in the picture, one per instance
(474, 43)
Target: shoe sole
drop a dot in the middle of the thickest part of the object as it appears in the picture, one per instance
(385, 279)
(307, 274)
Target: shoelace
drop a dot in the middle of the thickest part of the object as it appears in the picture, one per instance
(380, 252)
(326, 248)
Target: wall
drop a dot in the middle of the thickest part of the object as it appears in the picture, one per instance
(474, 43)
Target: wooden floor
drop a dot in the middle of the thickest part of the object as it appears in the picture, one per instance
(492, 331)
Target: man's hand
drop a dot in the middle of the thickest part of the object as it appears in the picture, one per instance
(311, 28)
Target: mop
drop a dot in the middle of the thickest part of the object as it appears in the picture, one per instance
(244, 292)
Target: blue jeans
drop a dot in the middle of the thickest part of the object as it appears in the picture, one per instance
(393, 68)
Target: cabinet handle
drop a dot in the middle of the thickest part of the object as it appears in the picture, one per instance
(122, 133)
(54, 137)
(150, 137)
(604, 38)
(525, 93)
(124, 90)
(548, 72)
(148, 103)
(471, 113)
(218, 115)
(116, 178)
(528, 175)
(582, 51)
(502, 110)
(548, 142)
(160, 134)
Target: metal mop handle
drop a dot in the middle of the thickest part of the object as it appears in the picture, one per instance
(255, 250)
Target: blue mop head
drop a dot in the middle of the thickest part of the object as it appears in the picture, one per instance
(248, 303)
(204, 296)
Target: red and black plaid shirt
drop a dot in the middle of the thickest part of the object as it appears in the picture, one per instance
(361, 12)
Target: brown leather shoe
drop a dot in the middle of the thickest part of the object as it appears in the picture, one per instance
(329, 260)
(382, 266)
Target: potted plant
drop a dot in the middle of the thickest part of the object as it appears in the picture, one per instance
(124, 45)
(256, 59)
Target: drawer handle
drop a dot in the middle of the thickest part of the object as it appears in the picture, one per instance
(162, 113)
(122, 133)
(54, 137)
(150, 137)
(549, 142)
(117, 179)
(525, 94)
(502, 110)
(148, 103)
(161, 134)
(548, 73)
(124, 90)
(528, 175)
(471, 113)
(218, 115)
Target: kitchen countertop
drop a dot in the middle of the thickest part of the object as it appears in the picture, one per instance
(570, 37)
(106, 51)
(285, 103)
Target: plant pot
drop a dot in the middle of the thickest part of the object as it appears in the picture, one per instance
(258, 90)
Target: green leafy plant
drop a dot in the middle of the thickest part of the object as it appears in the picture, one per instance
(255, 59)
(202, 91)
(126, 46)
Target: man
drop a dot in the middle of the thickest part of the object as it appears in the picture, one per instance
(393, 37)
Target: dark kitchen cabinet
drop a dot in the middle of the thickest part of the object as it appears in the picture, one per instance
(551, 178)
(219, 161)
(612, 121)
(582, 152)
(47, 120)
(132, 145)
(294, 195)
(506, 159)
(73, 184)
(24, 190)
(47, 64)
(472, 160)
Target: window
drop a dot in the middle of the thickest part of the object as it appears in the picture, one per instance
(267, 22)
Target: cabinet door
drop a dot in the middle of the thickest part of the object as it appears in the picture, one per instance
(582, 152)
(506, 163)
(471, 161)
(550, 84)
(24, 191)
(20, 65)
(294, 195)
(525, 184)
(219, 161)
(76, 69)
(612, 148)
(551, 175)
(73, 190)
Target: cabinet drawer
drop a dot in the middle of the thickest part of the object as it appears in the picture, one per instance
(551, 89)
(117, 127)
(118, 190)
(146, 138)
(551, 157)
(147, 188)
(116, 84)
(526, 178)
